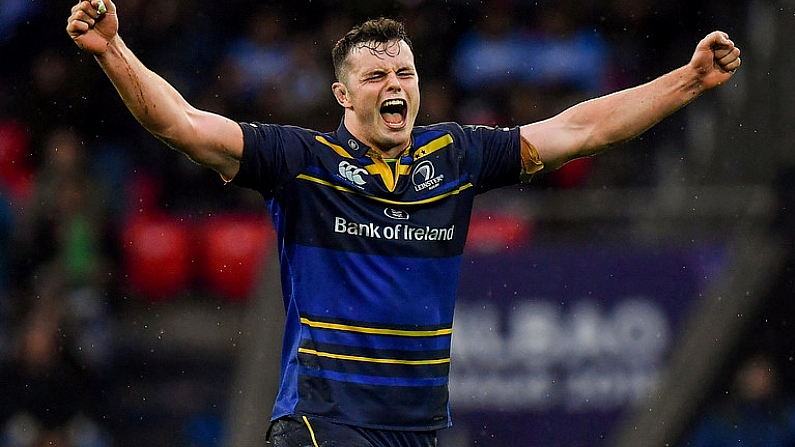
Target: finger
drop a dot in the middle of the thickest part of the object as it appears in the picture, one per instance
(84, 17)
(727, 57)
(722, 39)
(733, 65)
(729, 63)
(87, 7)
(77, 27)
(722, 52)
(719, 40)
(78, 6)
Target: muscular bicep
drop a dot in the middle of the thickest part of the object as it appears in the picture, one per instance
(582, 130)
(555, 140)
(592, 126)
(211, 140)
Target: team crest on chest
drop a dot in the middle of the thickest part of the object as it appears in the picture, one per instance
(424, 176)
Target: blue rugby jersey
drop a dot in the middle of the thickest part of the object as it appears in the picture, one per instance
(370, 257)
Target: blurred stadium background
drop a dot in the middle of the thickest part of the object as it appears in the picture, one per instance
(611, 303)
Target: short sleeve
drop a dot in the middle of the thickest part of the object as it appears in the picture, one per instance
(494, 156)
(272, 155)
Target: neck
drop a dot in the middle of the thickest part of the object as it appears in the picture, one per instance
(392, 153)
(385, 152)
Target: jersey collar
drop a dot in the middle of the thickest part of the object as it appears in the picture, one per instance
(351, 144)
(357, 148)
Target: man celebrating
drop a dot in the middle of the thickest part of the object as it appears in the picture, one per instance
(372, 218)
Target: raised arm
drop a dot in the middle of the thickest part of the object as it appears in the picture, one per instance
(207, 138)
(597, 124)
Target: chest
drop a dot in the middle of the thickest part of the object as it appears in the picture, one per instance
(411, 205)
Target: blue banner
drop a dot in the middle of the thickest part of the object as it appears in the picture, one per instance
(551, 345)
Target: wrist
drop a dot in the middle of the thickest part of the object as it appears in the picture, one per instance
(691, 80)
(113, 48)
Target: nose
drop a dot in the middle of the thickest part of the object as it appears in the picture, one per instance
(393, 82)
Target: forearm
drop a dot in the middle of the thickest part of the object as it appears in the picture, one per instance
(207, 138)
(624, 115)
(595, 125)
(150, 99)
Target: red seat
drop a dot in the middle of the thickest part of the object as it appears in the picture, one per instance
(233, 252)
(15, 171)
(157, 254)
(493, 232)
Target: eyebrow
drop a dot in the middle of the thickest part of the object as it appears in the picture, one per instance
(380, 70)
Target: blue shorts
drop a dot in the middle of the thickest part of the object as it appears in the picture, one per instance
(307, 431)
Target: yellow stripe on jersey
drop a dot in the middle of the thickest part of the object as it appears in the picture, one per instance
(387, 201)
(357, 358)
(382, 168)
(375, 331)
(433, 146)
(337, 148)
(311, 431)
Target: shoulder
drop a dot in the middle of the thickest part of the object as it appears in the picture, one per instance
(273, 154)
(277, 129)
(454, 127)
(270, 137)
(437, 128)
(463, 133)
(424, 134)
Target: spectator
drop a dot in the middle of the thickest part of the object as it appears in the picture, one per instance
(47, 396)
(753, 414)
(66, 220)
(554, 51)
(260, 60)
(66, 238)
(535, 71)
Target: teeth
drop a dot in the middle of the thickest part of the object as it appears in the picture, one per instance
(394, 102)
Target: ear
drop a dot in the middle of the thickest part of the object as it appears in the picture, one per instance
(340, 93)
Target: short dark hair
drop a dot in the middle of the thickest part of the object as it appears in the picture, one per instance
(376, 31)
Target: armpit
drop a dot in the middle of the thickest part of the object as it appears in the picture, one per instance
(531, 162)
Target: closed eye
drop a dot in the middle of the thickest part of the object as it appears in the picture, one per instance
(374, 76)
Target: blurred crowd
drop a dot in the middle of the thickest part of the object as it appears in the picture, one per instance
(76, 169)
(753, 410)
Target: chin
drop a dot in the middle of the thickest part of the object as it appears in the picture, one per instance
(401, 137)
(392, 142)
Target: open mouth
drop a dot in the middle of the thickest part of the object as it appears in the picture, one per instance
(393, 112)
